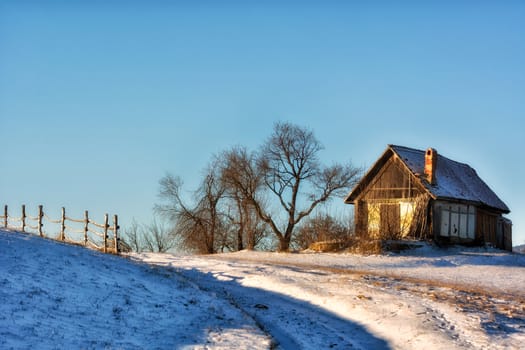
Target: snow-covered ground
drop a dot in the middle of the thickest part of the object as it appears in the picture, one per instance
(57, 296)
(432, 298)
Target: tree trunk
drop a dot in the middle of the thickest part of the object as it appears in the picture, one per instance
(242, 224)
(211, 241)
(249, 228)
(284, 244)
(239, 239)
(250, 246)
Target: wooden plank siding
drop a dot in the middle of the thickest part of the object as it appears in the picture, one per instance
(390, 224)
(361, 218)
(392, 187)
(486, 228)
(392, 182)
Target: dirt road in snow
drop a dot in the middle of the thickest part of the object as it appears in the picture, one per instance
(309, 307)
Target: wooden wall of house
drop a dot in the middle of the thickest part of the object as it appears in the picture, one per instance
(361, 218)
(506, 226)
(493, 229)
(392, 185)
(486, 227)
(490, 227)
(455, 222)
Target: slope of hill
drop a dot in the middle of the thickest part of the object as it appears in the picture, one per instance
(56, 296)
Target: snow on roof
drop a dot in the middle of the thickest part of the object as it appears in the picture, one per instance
(454, 180)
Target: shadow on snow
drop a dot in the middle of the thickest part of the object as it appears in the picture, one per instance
(292, 323)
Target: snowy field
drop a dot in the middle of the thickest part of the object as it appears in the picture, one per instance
(58, 296)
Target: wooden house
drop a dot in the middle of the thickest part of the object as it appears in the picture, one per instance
(410, 193)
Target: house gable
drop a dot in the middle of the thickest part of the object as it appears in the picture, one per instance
(389, 177)
(393, 182)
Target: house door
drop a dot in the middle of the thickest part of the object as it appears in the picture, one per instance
(390, 224)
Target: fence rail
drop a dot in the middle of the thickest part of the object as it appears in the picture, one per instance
(100, 236)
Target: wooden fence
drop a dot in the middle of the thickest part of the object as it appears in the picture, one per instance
(100, 236)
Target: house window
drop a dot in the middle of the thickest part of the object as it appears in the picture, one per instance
(458, 221)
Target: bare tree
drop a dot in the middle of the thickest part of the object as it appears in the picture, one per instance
(200, 227)
(291, 171)
(242, 183)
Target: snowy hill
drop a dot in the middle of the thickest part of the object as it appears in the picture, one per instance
(59, 296)
(56, 296)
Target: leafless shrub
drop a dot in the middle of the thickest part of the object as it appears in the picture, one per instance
(153, 237)
(321, 228)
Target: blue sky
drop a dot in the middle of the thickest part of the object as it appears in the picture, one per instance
(100, 99)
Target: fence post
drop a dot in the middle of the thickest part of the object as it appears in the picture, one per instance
(115, 232)
(63, 225)
(86, 223)
(5, 216)
(106, 226)
(23, 218)
(40, 215)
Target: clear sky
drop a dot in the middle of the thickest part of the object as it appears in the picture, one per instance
(100, 99)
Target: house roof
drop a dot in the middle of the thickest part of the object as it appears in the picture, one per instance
(454, 180)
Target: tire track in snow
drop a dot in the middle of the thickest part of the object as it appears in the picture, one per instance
(496, 314)
(310, 307)
(293, 324)
(299, 311)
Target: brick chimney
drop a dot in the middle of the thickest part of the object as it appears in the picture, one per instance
(431, 156)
